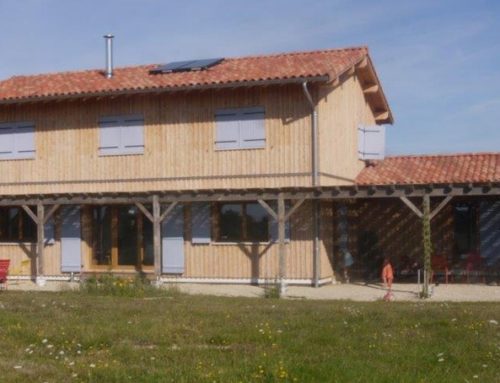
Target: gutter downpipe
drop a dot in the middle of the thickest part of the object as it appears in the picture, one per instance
(315, 183)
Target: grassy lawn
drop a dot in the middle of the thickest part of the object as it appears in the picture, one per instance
(79, 337)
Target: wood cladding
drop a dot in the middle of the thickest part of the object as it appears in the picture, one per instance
(179, 136)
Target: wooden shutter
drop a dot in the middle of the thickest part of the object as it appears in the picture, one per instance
(24, 138)
(173, 242)
(227, 130)
(252, 131)
(109, 137)
(132, 135)
(7, 145)
(371, 142)
(70, 239)
(200, 222)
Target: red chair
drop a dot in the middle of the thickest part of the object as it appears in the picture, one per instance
(4, 271)
(439, 262)
(474, 265)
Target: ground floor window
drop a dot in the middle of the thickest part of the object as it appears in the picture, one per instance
(122, 237)
(466, 228)
(242, 222)
(16, 225)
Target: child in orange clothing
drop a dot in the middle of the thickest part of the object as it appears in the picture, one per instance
(387, 278)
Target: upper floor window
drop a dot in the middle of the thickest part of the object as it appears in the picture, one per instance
(121, 135)
(17, 140)
(241, 128)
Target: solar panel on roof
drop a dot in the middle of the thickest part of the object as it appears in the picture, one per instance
(186, 66)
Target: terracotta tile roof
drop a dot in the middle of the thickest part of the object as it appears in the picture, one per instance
(452, 168)
(288, 66)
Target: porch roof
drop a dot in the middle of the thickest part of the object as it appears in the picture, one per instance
(330, 192)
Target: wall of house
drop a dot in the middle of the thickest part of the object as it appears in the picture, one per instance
(341, 109)
(214, 260)
(179, 144)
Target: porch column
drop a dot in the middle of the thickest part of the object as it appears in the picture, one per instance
(281, 242)
(40, 214)
(157, 236)
(427, 242)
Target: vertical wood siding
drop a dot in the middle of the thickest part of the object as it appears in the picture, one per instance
(341, 110)
(179, 148)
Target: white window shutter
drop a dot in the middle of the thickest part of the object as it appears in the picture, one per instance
(109, 137)
(252, 131)
(25, 141)
(227, 134)
(371, 142)
(7, 145)
(132, 135)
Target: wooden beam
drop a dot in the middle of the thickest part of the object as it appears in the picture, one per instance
(363, 63)
(440, 206)
(271, 212)
(281, 242)
(351, 71)
(40, 238)
(294, 208)
(371, 89)
(382, 116)
(145, 211)
(50, 212)
(156, 236)
(167, 211)
(30, 213)
(413, 208)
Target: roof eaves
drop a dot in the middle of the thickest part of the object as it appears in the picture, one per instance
(167, 89)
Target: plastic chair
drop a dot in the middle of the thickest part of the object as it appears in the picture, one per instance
(4, 271)
(474, 265)
(439, 263)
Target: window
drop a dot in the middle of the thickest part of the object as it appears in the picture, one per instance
(17, 140)
(16, 225)
(121, 135)
(122, 237)
(242, 222)
(240, 129)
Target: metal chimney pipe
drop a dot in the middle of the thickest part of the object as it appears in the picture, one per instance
(109, 55)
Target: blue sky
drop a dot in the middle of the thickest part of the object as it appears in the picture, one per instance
(439, 61)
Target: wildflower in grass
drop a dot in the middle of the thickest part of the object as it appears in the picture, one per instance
(44, 341)
(18, 367)
(441, 360)
(50, 345)
(493, 321)
(92, 365)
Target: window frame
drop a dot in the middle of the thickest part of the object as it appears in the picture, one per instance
(19, 154)
(244, 224)
(240, 114)
(22, 223)
(120, 123)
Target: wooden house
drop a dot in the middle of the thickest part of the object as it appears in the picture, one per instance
(238, 170)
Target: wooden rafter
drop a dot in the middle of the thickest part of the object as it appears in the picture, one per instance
(373, 88)
(412, 207)
(268, 208)
(440, 206)
(30, 213)
(49, 213)
(144, 211)
(294, 208)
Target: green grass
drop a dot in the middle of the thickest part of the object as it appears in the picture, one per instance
(170, 337)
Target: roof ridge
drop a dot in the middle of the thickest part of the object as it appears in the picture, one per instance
(298, 53)
(459, 154)
(249, 57)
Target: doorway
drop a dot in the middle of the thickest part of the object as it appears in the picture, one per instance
(122, 239)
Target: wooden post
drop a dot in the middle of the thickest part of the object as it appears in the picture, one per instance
(40, 239)
(281, 241)
(157, 236)
(427, 243)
